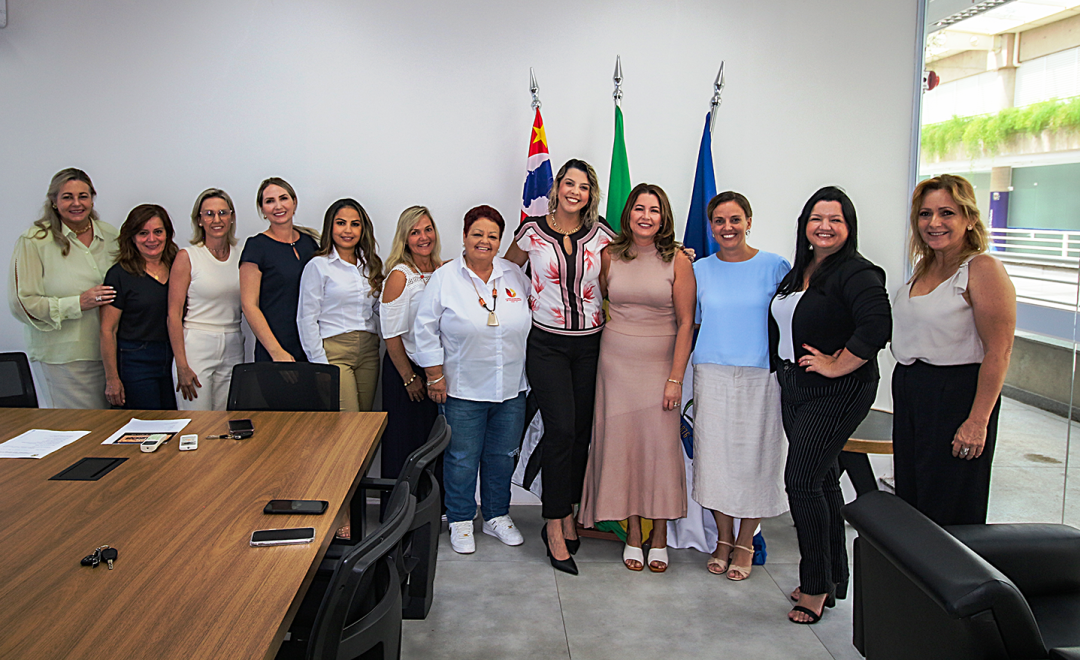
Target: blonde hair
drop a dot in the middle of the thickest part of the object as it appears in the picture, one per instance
(976, 239)
(199, 237)
(399, 251)
(591, 213)
(282, 183)
(49, 222)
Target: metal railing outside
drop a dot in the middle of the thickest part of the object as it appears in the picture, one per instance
(1041, 247)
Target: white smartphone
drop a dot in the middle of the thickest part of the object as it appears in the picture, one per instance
(189, 442)
(264, 537)
(153, 442)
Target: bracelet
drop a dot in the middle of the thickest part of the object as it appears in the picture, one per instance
(677, 382)
(410, 381)
(432, 382)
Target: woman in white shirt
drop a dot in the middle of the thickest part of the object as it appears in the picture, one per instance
(471, 328)
(339, 296)
(204, 305)
(413, 258)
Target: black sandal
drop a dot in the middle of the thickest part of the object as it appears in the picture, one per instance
(814, 616)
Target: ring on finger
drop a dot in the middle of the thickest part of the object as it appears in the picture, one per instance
(965, 451)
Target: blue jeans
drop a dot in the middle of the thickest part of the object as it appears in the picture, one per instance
(146, 371)
(487, 436)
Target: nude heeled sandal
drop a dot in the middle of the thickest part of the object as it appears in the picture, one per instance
(716, 565)
(740, 573)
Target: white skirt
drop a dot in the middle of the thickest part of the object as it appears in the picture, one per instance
(739, 443)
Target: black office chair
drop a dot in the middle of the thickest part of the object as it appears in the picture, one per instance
(961, 592)
(418, 473)
(291, 386)
(16, 382)
(359, 611)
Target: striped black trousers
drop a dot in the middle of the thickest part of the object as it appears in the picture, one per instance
(818, 421)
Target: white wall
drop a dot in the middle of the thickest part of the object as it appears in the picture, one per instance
(427, 102)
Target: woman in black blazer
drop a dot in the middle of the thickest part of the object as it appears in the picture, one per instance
(828, 320)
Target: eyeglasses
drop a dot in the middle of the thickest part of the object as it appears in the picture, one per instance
(209, 215)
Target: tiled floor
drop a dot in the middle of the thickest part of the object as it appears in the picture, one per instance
(506, 602)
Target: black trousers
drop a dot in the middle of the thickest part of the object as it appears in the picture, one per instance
(562, 373)
(408, 423)
(859, 470)
(929, 405)
(818, 421)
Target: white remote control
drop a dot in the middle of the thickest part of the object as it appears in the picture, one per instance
(189, 442)
(153, 442)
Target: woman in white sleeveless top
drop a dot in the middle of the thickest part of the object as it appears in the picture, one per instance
(410, 413)
(204, 305)
(953, 326)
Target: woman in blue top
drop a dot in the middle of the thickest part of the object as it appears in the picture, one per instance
(739, 446)
(270, 269)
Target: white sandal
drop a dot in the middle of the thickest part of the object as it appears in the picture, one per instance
(630, 553)
(658, 555)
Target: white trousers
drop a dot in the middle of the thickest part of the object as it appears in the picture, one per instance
(212, 356)
(79, 384)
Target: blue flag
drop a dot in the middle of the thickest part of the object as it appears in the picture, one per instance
(698, 235)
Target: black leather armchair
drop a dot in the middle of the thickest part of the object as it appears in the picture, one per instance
(967, 591)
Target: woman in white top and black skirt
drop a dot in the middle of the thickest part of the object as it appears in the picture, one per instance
(410, 412)
(827, 322)
(953, 326)
(204, 305)
(563, 248)
(337, 314)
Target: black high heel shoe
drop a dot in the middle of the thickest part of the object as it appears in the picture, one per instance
(565, 565)
(573, 545)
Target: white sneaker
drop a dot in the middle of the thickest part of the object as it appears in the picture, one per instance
(461, 537)
(502, 528)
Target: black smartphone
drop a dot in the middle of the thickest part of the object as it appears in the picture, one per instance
(241, 428)
(282, 536)
(296, 507)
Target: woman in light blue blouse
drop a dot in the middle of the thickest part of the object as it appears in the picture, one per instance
(739, 446)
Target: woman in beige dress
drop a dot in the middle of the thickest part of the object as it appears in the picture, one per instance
(635, 467)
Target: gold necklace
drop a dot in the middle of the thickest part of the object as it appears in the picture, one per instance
(80, 232)
(567, 243)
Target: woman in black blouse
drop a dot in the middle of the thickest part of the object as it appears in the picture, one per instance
(828, 320)
(134, 333)
(270, 269)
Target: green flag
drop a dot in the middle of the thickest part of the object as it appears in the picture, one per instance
(619, 183)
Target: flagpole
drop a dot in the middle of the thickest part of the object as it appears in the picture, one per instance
(617, 95)
(535, 89)
(718, 89)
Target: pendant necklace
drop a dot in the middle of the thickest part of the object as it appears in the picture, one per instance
(492, 319)
(567, 244)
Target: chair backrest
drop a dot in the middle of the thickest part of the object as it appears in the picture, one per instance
(291, 386)
(425, 454)
(362, 605)
(16, 382)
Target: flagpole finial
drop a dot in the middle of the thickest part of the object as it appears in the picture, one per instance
(718, 89)
(535, 89)
(617, 95)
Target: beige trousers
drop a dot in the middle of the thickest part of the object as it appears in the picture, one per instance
(356, 354)
(78, 384)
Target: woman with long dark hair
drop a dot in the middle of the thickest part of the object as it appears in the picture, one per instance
(134, 326)
(828, 320)
(636, 467)
(339, 296)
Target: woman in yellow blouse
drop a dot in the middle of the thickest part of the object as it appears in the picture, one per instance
(55, 288)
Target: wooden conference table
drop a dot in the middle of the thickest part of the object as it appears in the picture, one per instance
(186, 583)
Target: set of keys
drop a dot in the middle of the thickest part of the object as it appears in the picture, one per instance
(102, 554)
